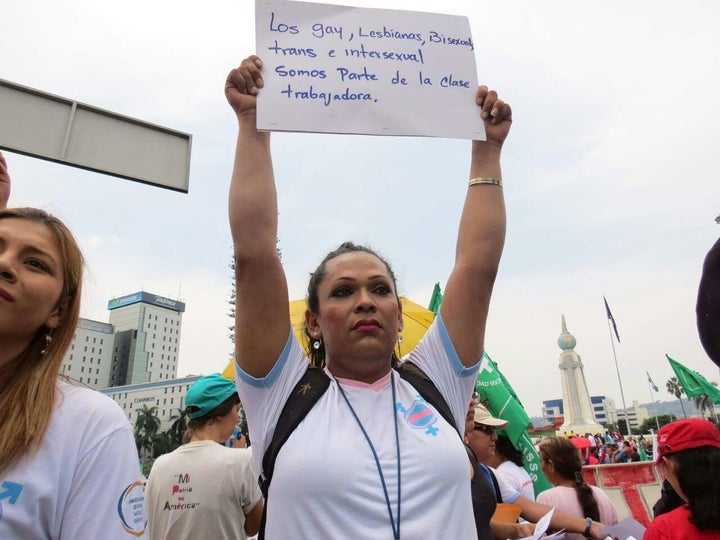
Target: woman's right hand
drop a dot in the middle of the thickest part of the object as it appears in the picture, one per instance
(243, 84)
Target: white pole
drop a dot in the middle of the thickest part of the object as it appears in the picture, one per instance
(652, 400)
(617, 370)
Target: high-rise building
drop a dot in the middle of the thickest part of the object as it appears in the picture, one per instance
(139, 344)
(147, 335)
(89, 357)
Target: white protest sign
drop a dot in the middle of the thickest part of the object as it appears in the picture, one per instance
(339, 69)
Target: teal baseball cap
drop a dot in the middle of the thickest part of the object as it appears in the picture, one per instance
(208, 393)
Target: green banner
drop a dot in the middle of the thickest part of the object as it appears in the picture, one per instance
(498, 396)
(694, 383)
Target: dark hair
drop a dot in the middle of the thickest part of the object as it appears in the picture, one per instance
(561, 452)
(221, 410)
(698, 474)
(505, 448)
(317, 356)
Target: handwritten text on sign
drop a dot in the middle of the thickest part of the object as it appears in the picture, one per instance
(338, 69)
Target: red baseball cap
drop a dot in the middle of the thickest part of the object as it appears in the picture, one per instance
(686, 434)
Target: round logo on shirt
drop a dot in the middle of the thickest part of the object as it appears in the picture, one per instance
(131, 509)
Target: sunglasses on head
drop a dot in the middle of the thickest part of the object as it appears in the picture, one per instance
(488, 430)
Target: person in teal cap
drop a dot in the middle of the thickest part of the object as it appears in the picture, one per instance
(204, 489)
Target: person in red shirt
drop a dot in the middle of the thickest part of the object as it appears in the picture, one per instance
(689, 457)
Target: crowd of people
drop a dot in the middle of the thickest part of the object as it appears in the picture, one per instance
(386, 448)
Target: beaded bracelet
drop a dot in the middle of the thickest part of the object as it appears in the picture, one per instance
(485, 180)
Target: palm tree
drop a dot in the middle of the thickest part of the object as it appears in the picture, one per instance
(146, 429)
(163, 444)
(673, 387)
(704, 403)
(178, 427)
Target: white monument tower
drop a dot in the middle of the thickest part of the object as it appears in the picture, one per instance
(577, 408)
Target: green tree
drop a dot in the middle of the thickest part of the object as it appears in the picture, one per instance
(147, 425)
(704, 403)
(163, 444)
(673, 387)
(177, 428)
(650, 423)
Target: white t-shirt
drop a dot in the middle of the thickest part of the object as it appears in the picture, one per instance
(565, 499)
(518, 478)
(201, 490)
(326, 483)
(84, 481)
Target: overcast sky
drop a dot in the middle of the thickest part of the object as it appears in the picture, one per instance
(611, 174)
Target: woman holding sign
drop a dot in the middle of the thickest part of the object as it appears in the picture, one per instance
(369, 460)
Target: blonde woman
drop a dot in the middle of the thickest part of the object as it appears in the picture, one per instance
(68, 462)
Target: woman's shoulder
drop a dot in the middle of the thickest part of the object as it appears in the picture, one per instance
(668, 521)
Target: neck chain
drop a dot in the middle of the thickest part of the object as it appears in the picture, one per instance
(395, 528)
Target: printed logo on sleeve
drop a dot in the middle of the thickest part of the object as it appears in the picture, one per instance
(131, 509)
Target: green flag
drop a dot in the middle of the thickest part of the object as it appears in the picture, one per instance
(435, 299)
(694, 383)
(500, 399)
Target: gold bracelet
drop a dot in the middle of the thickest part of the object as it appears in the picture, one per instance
(485, 180)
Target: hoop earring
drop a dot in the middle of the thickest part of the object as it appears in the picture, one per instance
(48, 342)
(317, 343)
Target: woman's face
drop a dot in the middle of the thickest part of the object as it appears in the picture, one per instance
(31, 279)
(669, 469)
(482, 441)
(359, 317)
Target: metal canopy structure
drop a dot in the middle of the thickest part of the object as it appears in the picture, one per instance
(62, 130)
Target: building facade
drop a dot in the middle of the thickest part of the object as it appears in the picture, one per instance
(167, 396)
(147, 337)
(603, 408)
(90, 354)
(139, 345)
(635, 416)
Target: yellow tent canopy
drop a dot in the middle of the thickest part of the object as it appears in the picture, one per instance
(416, 321)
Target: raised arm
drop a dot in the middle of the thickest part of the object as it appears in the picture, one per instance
(4, 182)
(262, 321)
(481, 235)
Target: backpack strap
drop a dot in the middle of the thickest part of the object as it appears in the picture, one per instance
(308, 391)
(311, 386)
(493, 480)
(427, 389)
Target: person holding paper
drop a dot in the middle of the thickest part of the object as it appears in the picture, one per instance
(480, 437)
(360, 464)
(561, 463)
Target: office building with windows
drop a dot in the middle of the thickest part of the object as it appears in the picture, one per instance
(147, 336)
(90, 354)
(603, 408)
(139, 344)
(168, 397)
